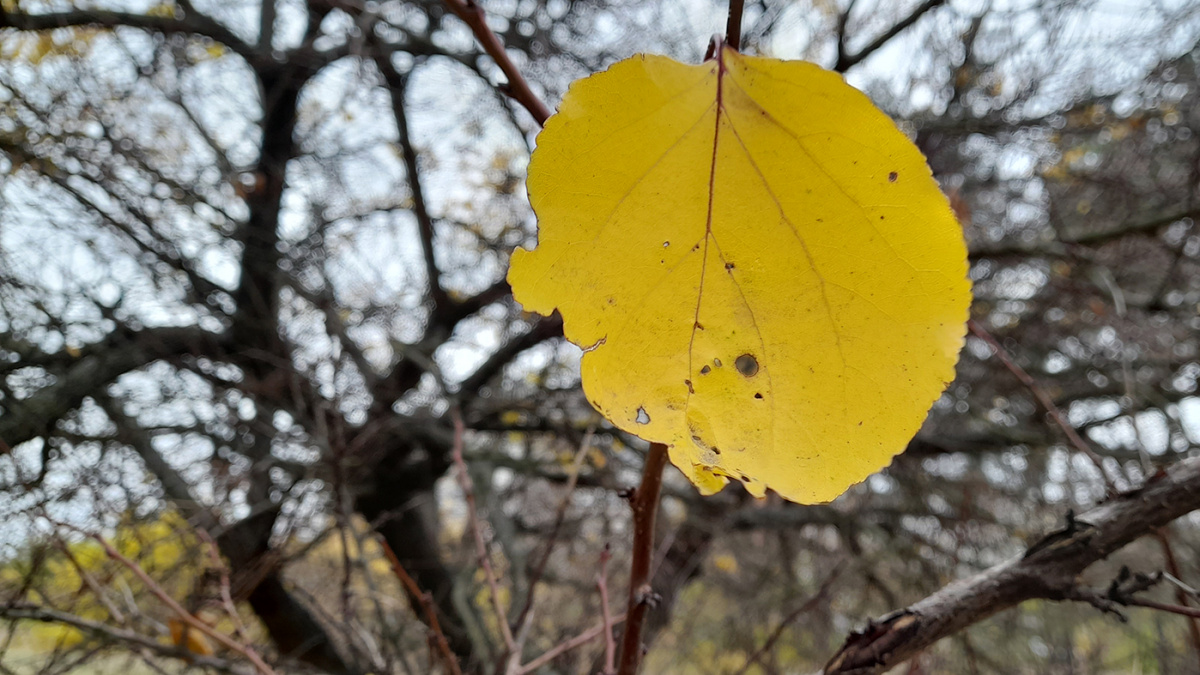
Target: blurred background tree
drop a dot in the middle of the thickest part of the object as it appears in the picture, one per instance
(252, 255)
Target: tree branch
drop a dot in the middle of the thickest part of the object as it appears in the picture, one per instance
(847, 61)
(185, 23)
(518, 88)
(397, 84)
(127, 350)
(1048, 570)
(30, 612)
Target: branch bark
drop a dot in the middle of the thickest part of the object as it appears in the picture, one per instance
(184, 23)
(125, 350)
(1048, 571)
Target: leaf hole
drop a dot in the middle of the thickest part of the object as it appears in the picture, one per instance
(642, 417)
(717, 363)
(747, 365)
(666, 244)
(728, 266)
(705, 370)
(892, 177)
(758, 396)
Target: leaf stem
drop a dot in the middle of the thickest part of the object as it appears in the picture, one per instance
(641, 596)
(733, 29)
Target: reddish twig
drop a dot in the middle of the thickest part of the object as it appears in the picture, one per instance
(525, 616)
(567, 645)
(518, 88)
(1047, 403)
(183, 614)
(641, 595)
(1162, 534)
(214, 555)
(804, 608)
(610, 645)
(426, 602)
(88, 580)
(481, 551)
(1163, 607)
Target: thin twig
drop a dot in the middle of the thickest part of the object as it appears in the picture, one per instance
(183, 614)
(481, 551)
(641, 595)
(1178, 583)
(567, 645)
(94, 586)
(610, 645)
(31, 612)
(1164, 539)
(846, 61)
(518, 88)
(559, 517)
(804, 608)
(214, 555)
(1047, 403)
(426, 602)
(398, 85)
(1162, 606)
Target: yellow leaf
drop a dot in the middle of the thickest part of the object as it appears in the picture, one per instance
(162, 9)
(191, 639)
(726, 563)
(758, 263)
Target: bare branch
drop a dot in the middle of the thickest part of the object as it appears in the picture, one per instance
(183, 23)
(1048, 571)
(518, 88)
(29, 612)
(847, 61)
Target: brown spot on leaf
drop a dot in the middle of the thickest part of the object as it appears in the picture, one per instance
(892, 177)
